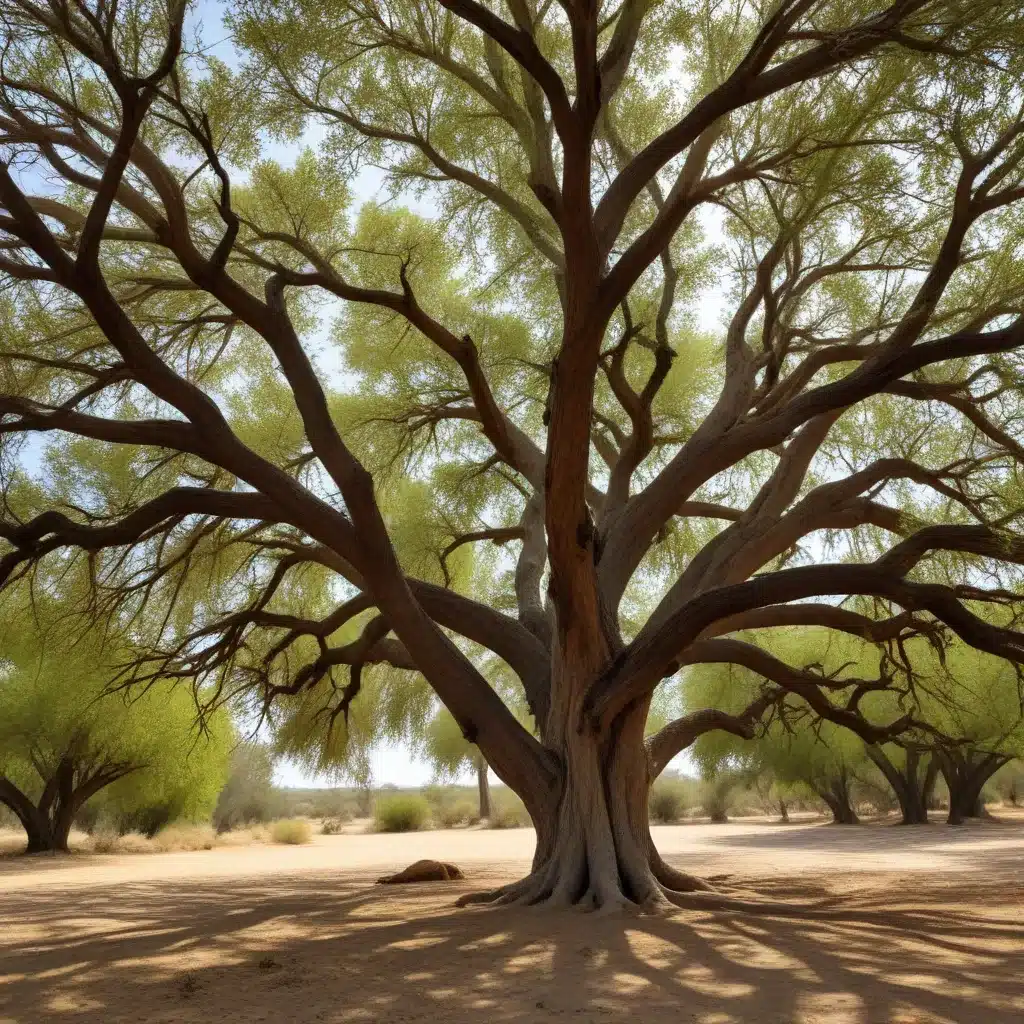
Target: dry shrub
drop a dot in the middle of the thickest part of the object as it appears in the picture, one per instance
(507, 810)
(130, 842)
(405, 813)
(332, 827)
(293, 831)
(667, 803)
(11, 841)
(182, 836)
(176, 838)
(462, 812)
(244, 836)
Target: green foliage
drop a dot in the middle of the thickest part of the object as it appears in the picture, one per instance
(1008, 783)
(248, 796)
(456, 813)
(716, 792)
(669, 800)
(55, 705)
(402, 813)
(291, 831)
(451, 806)
(444, 746)
(507, 810)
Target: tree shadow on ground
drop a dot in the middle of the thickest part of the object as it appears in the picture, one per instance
(330, 947)
(880, 837)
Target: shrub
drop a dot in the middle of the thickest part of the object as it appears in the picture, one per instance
(183, 836)
(244, 836)
(451, 815)
(175, 838)
(105, 842)
(509, 817)
(130, 842)
(507, 810)
(717, 792)
(667, 802)
(293, 831)
(332, 827)
(1009, 783)
(407, 813)
(249, 796)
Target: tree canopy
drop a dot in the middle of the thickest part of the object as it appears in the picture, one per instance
(488, 416)
(66, 740)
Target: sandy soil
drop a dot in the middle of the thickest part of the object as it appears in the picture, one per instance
(931, 930)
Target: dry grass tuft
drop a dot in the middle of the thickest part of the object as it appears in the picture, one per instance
(293, 831)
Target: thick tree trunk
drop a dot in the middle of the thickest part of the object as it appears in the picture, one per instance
(483, 786)
(46, 835)
(836, 795)
(966, 772)
(910, 785)
(47, 825)
(594, 847)
(48, 822)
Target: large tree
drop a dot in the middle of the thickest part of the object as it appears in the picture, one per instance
(268, 405)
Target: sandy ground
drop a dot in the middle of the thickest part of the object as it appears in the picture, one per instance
(930, 928)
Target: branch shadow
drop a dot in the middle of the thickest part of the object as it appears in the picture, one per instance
(328, 946)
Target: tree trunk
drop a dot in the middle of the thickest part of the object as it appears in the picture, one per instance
(48, 823)
(48, 835)
(594, 845)
(483, 786)
(46, 828)
(966, 772)
(836, 795)
(909, 785)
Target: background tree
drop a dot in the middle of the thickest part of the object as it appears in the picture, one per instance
(797, 750)
(911, 772)
(976, 704)
(248, 795)
(65, 741)
(451, 753)
(1010, 783)
(267, 408)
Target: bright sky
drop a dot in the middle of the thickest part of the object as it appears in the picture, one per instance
(392, 764)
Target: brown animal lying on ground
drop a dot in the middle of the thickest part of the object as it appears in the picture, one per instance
(424, 871)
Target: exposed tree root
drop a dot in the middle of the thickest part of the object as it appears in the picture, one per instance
(536, 890)
(679, 881)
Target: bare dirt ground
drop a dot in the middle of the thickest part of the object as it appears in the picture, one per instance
(930, 928)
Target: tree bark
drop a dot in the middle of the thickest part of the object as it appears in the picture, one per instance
(966, 771)
(47, 825)
(594, 845)
(484, 790)
(911, 787)
(48, 822)
(836, 795)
